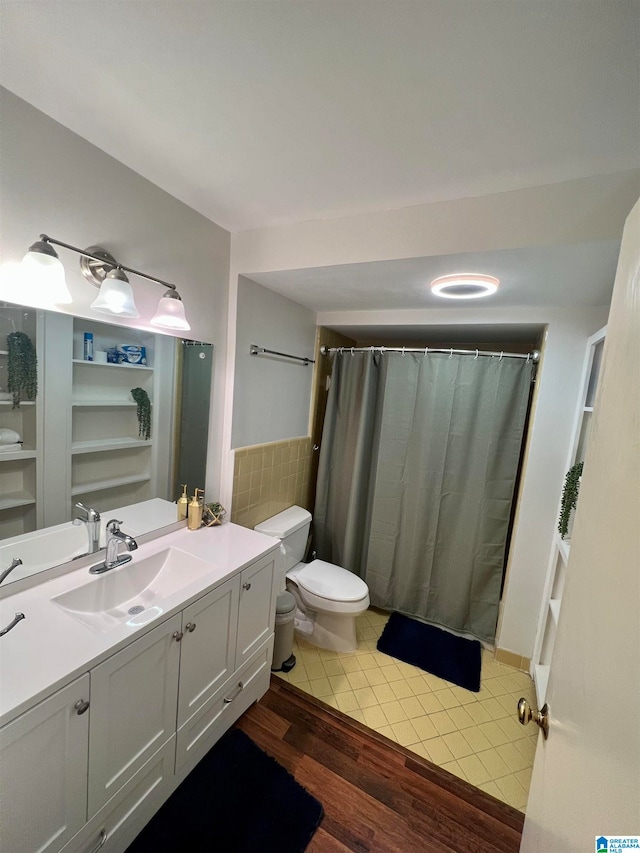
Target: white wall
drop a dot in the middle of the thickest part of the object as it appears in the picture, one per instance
(272, 395)
(55, 182)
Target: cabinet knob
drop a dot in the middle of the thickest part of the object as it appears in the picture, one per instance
(177, 636)
(191, 627)
(246, 586)
(81, 706)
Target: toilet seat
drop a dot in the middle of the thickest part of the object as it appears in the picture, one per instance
(326, 587)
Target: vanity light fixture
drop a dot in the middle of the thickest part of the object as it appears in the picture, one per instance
(464, 286)
(102, 270)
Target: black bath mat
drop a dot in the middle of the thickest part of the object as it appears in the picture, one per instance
(237, 799)
(434, 650)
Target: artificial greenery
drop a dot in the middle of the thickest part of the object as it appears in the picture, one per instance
(144, 412)
(22, 368)
(213, 514)
(569, 497)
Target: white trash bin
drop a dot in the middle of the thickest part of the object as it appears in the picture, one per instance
(283, 658)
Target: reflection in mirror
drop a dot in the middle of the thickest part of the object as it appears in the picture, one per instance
(81, 437)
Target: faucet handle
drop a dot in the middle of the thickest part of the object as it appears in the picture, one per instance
(113, 525)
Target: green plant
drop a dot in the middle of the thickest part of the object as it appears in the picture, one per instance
(22, 369)
(569, 497)
(143, 412)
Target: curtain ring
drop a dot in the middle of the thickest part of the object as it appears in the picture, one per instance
(528, 357)
(351, 352)
(403, 352)
(501, 354)
(426, 351)
(477, 354)
(451, 353)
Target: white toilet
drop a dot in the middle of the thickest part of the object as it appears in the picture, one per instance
(328, 597)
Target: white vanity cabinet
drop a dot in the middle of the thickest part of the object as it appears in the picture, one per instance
(84, 781)
(43, 775)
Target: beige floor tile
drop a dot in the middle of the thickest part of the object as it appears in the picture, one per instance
(374, 716)
(464, 697)
(443, 722)
(401, 689)
(367, 632)
(298, 674)
(358, 715)
(454, 767)
(367, 660)
(527, 747)
(320, 687)
(357, 679)
(491, 788)
(425, 728)
(366, 697)
(494, 708)
(375, 676)
(430, 703)
(474, 769)
(476, 740)
(387, 731)
(347, 701)
(512, 757)
(513, 791)
(339, 683)
(447, 699)
(457, 744)
(405, 733)
(412, 707)
(394, 712)
(350, 664)
(494, 764)
(333, 667)
(314, 670)
(418, 685)
(494, 686)
(434, 682)
(392, 673)
(512, 728)
(524, 777)
(331, 700)
(383, 693)
(420, 749)
(510, 683)
(510, 701)
(407, 670)
(438, 751)
(478, 713)
(461, 717)
(493, 733)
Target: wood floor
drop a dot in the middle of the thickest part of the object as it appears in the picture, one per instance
(377, 796)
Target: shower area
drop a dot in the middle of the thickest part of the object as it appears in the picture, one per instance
(420, 450)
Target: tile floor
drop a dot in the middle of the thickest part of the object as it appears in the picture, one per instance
(476, 736)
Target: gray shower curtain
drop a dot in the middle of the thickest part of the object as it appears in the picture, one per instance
(416, 479)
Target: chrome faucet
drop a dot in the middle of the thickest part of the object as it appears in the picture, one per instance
(14, 565)
(90, 517)
(114, 537)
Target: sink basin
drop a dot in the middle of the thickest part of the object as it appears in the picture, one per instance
(133, 593)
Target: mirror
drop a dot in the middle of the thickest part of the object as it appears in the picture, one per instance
(80, 438)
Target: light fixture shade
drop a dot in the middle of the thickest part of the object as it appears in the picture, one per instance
(43, 276)
(116, 296)
(464, 286)
(170, 313)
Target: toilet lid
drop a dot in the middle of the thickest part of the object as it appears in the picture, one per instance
(332, 582)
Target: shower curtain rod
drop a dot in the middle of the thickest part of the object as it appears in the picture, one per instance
(530, 356)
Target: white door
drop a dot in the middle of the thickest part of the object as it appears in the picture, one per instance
(586, 776)
(134, 695)
(43, 772)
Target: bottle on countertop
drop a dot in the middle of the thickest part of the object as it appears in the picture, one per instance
(88, 346)
(196, 505)
(183, 503)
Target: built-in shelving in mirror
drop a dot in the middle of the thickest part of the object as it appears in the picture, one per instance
(79, 438)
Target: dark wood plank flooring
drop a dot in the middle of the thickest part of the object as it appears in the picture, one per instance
(377, 796)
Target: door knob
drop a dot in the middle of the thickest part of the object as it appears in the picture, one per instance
(541, 718)
(246, 586)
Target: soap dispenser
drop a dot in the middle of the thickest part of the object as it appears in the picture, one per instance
(183, 503)
(195, 511)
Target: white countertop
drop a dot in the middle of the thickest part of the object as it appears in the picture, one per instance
(49, 648)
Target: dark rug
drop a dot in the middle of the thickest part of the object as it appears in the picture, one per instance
(436, 651)
(238, 800)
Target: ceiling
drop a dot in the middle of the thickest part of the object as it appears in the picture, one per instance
(260, 113)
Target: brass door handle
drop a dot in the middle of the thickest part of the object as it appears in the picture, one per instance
(541, 718)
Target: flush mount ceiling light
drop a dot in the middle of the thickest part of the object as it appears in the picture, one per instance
(464, 286)
(42, 274)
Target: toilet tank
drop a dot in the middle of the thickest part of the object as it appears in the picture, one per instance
(292, 527)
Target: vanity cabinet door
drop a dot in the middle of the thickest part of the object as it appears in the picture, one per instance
(133, 708)
(43, 776)
(256, 610)
(208, 647)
